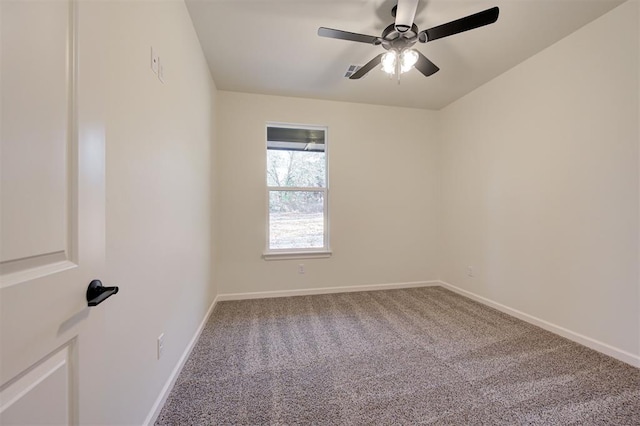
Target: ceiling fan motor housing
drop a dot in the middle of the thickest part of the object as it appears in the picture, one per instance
(391, 38)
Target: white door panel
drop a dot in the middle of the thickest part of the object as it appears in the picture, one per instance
(51, 205)
(47, 387)
(36, 104)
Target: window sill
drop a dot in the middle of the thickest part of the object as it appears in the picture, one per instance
(291, 255)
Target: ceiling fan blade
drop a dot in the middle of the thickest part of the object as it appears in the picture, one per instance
(425, 66)
(346, 35)
(367, 67)
(405, 14)
(467, 23)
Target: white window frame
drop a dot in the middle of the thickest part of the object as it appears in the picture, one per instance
(302, 253)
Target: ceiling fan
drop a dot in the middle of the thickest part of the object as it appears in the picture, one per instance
(398, 38)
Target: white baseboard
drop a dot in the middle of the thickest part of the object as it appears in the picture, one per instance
(166, 390)
(604, 348)
(324, 290)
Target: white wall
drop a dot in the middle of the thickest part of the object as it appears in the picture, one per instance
(159, 187)
(539, 192)
(540, 185)
(382, 194)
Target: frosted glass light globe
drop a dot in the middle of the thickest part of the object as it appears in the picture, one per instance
(389, 62)
(408, 59)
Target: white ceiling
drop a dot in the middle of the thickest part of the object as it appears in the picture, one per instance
(272, 47)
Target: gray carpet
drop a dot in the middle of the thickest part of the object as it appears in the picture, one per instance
(414, 356)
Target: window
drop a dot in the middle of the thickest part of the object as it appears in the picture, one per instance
(297, 190)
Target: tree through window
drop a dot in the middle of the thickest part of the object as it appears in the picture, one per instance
(297, 188)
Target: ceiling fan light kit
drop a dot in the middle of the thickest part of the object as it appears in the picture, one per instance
(390, 62)
(399, 37)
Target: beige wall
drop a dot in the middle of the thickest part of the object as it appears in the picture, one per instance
(158, 201)
(540, 184)
(539, 192)
(533, 180)
(382, 194)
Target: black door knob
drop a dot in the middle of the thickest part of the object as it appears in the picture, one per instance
(97, 293)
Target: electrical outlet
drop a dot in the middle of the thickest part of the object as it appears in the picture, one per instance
(470, 271)
(154, 61)
(160, 345)
(301, 268)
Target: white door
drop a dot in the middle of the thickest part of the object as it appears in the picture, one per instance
(52, 206)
